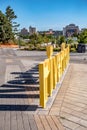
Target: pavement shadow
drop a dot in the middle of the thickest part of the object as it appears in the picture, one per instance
(24, 86)
(29, 77)
(18, 107)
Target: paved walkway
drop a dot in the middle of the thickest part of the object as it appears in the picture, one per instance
(19, 95)
(71, 101)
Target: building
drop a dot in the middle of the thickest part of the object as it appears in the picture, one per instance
(58, 33)
(49, 32)
(55, 33)
(24, 32)
(32, 30)
(70, 29)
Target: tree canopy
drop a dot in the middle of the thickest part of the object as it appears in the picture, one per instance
(82, 38)
(7, 25)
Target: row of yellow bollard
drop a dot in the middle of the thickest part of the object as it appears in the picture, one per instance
(51, 70)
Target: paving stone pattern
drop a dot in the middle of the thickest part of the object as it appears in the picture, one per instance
(19, 94)
(71, 102)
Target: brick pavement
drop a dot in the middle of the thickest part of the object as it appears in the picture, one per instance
(19, 96)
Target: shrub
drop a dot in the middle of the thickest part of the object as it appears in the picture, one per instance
(42, 49)
(57, 49)
(73, 49)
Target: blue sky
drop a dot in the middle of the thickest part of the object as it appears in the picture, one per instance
(47, 14)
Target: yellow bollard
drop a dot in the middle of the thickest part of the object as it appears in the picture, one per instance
(54, 72)
(43, 77)
(49, 51)
(51, 70)
(61, 63)
(50, 78)
(64, 60)
(58, 67)
(63, 45)
(42, 85)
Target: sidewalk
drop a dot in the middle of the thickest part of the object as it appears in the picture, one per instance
(70, 104)
(19, 96)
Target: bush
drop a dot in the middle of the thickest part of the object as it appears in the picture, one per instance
(29, 49)
(74, 45)
(21, 43)
(73, 49)
(57, 49)
(42, 49)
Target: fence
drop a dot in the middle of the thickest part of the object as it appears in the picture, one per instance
(51, 70)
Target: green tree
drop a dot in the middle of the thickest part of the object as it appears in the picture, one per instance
(5, 28)
(33, 39)
(82, 38)
(69, 40)
(10, 14)
(39, 39)
(60, 39)
(2, 20)
(7, 25)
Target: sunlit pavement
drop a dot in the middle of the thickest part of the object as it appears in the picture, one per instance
(19, 93)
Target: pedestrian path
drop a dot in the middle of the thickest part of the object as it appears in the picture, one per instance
(19, 97)
(71, 101)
